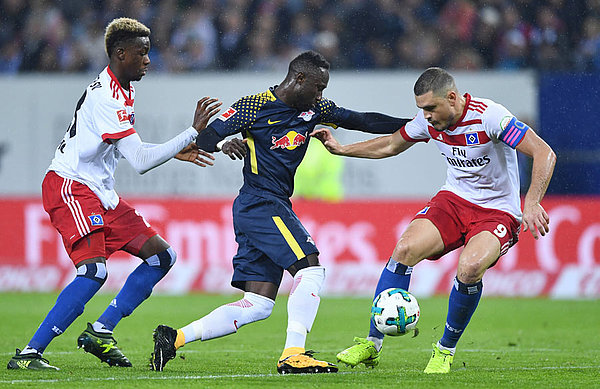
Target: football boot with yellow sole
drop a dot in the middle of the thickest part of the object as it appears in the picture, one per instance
(299, 361)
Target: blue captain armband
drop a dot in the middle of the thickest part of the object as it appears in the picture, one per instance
(513, 131)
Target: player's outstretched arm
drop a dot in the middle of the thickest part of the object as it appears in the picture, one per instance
(146, 156)
(376, 148)
(371, 122)
(234, 148)
(535, 217)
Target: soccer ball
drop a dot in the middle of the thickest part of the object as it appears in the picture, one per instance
(395, 312)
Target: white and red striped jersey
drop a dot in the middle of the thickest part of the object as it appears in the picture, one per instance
(480, 153)
(86, 153)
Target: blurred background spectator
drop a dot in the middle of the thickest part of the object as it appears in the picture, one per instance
(67, 35)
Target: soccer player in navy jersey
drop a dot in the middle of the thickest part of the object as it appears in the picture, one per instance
(276, 125)
(78, 194)
(478, 208)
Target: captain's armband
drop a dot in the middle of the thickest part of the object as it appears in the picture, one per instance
(513, 131)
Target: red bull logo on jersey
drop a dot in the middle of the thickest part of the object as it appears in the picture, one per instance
(289, 141)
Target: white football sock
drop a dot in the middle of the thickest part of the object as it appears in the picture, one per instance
(99, 327)
(228, 318)
(28, 350)
(452, 350)
(303, 304)
(378, 342)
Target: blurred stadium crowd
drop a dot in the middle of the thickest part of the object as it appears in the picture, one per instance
(67, 35)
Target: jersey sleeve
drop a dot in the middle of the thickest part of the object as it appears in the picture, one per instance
(501, 124)
(370, 122)
(416, 130)
(330, 114)
(145, 156)
(112, 120)
(236, 118)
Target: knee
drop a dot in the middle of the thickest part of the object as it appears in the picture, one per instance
(312, 274)
(404, 254)
(164, 260)
(95, 271)
(261, 306)
(262, 312)
(470, 272)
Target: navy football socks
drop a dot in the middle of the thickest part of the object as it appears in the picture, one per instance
(394, 275)
(462, 303)
(69, 305)
(137, 288)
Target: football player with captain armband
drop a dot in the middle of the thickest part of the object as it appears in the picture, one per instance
(478, 208)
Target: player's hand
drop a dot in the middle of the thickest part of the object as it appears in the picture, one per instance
(235, 148)
(206, 108)
(536, 220)
(191, 153)
(330, 143)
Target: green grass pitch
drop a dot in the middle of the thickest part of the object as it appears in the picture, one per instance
(517, 343)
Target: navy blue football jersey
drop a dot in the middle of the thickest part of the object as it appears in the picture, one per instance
(277, 138)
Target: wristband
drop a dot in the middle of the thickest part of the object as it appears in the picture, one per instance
(220, 144)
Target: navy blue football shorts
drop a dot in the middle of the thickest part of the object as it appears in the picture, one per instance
(270, 238)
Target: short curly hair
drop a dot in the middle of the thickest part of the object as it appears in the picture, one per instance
(307, 61)
(121, 30)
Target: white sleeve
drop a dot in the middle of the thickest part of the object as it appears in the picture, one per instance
(493, 117)
(417, 129)
(112, 120)
(146, 156)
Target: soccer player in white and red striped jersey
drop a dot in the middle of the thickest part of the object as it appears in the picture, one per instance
(94, 222)
(478, 207)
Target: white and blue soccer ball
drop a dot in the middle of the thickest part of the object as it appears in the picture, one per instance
(395, 312)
